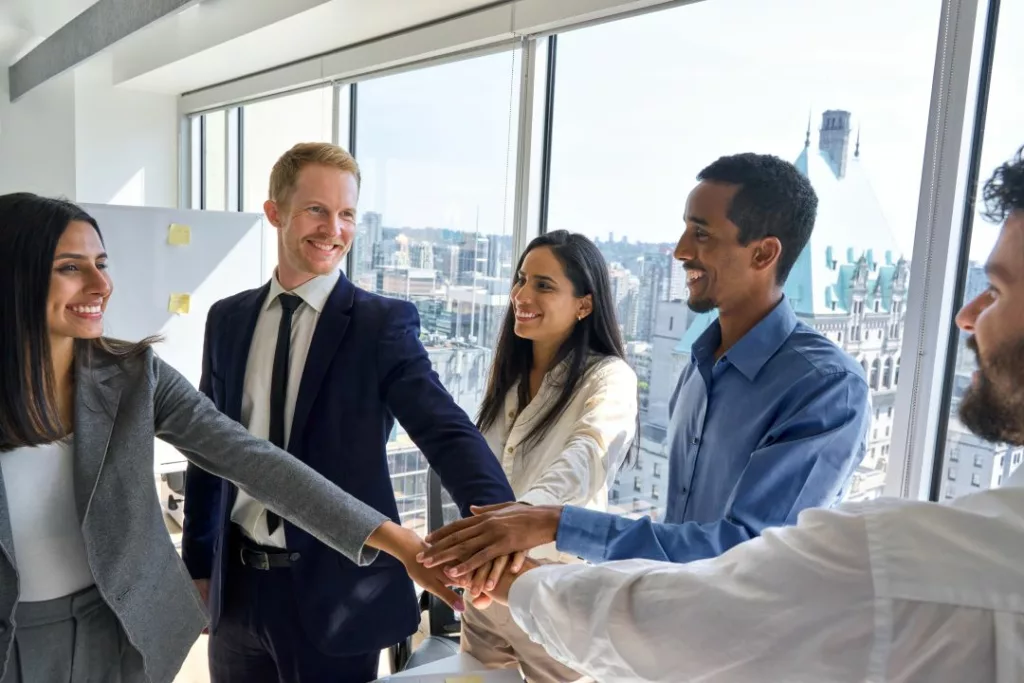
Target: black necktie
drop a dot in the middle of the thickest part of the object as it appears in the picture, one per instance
(279, 383)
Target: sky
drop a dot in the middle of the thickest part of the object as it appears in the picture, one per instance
(643, 103)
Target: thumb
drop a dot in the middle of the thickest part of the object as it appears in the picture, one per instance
(483, 509)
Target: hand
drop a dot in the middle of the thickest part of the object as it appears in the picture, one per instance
(404, 545)
(499, 593)
(203, 586)
(493, 531)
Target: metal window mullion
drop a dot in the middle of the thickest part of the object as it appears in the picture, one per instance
(967, 232)
(549, 124)
(936, 244)
(232, 160)
(524, 140)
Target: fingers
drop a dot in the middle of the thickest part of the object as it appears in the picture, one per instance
(482, 601)
(476, 586)
(450, 597)
(518, 560)
(497, 567)
(455, 527)
(484, 509)
(448, 552)
(488, 552)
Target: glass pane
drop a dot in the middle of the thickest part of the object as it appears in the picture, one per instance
(437, 154)
(971, 463)
(271, 127)
(634, 125)
(215, 161)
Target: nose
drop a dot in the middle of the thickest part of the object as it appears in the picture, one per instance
(968, 315)
(98, 283)
(684, 248)
(517, 294)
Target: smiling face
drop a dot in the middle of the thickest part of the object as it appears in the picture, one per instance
(993, 406)
(720, 272)
(544, 301)
(316, 224)
(79, 284)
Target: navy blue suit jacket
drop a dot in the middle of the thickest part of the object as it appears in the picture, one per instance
(365, 368)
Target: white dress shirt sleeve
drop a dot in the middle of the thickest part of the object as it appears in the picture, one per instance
(796, 604)
(598, 442)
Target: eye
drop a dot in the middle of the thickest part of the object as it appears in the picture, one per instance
(702, 234)
(68, 268)
(315, 209)
(102, 266)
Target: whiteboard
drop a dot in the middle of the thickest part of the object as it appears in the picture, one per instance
(226, 255)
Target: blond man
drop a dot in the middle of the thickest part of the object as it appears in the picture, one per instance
(323, 369)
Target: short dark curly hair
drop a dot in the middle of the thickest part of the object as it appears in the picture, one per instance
(774, 200)
(1004, 192)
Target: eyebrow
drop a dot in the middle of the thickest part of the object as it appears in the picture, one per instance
(80, 257)
(999, 272)
(698, 220)
(539, 277)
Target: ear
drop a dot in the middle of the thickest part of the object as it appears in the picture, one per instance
(766, 253)
(273, 215)
(586, 307)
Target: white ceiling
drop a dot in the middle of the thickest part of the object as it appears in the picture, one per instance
(157, 58)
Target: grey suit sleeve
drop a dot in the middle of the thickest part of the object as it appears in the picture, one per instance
(189, 421)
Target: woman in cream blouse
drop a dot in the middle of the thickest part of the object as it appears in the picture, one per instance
(560, 413)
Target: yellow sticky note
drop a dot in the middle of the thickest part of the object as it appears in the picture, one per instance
(464, 679)
(179, 235)
(179, 304)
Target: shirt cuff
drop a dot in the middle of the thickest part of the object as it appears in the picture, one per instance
(584, 533)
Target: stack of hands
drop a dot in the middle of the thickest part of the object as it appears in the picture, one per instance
(482, 554)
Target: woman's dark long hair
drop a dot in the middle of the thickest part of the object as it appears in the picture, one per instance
(30, 228)
(597, 334)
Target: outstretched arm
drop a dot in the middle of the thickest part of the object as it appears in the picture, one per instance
(186, 419)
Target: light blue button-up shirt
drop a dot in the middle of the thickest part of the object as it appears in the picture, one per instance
(776, 425)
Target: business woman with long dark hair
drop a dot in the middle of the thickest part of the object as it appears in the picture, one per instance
(91, 588)
(560, 414)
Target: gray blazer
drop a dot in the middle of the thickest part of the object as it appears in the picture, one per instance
(120, 405)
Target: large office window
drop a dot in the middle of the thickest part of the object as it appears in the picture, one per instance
(840, 89)
(992, 463)
(215, 161)
(271, 127)
(437, 151)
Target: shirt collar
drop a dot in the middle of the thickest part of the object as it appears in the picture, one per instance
(313, 293)
(755, 348)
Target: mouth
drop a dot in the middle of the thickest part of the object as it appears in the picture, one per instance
(86, 312)
(524, 317)
(323, 247)
(693, 276)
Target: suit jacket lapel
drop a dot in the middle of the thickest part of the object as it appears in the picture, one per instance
(97, 394)
(330, 330)
(239, 326)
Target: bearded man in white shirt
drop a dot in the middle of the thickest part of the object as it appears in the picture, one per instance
(889, 590)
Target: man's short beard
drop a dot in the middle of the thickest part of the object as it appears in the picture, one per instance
(701, 305)
(993, 406)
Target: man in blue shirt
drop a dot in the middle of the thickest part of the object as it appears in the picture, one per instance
(769, 418)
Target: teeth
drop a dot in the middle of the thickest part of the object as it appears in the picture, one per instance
(88, 310)
(692, 275)
(321, 246)
(526, 316)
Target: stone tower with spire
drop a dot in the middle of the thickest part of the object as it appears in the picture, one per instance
(834, 139)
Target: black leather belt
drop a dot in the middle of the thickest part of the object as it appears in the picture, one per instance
(262, 557)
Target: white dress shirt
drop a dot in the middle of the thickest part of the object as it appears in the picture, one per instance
(248, 513)
(888, 590)
(581, 451)
(49, 547)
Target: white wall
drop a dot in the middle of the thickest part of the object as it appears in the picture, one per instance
(37, 139)
(126, 142)
(77, 136)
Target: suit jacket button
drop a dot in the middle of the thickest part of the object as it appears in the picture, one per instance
(294, 557)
